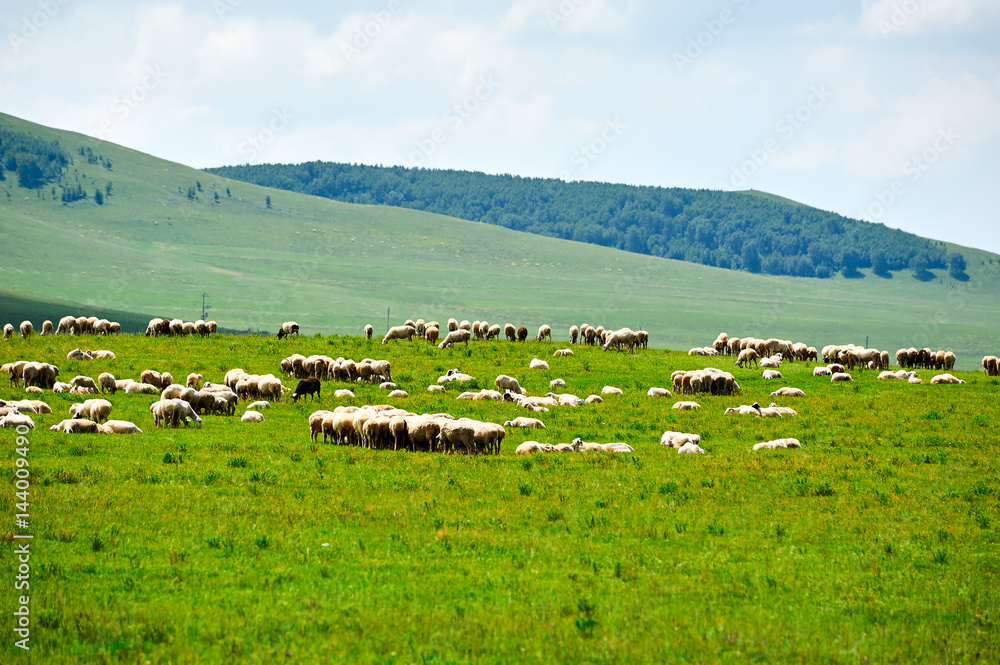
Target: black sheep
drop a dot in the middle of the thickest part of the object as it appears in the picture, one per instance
(308, 386)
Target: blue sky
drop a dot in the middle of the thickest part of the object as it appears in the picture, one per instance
(886, 110)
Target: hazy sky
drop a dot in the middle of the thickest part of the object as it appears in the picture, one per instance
(887, 110)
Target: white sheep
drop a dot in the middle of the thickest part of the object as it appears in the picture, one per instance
(77, 354)
(107, 382)
(435, 389)
(611, 390)
(786, 391)
(343, 392)
(14, 420)
(252, 417)
(399, 332)
(369, 331)
(686, 406)
(120, 427)
(563, 352)
(8, 332)
(398, 394)
(193, 380)
(455, 337)
(258, 405)
(769, 374)
(777, 443)
(690, 448)
(678, 439)
(521, 421)
(946, 379)
(26, 329)
(529, 447)
(544, 332)
(594, 399)
(658, 392)
(822, 371)
(538, 364)
(837, 377)
(506, 383)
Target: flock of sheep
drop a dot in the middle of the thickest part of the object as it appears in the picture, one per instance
(464, 331)
(385, 427)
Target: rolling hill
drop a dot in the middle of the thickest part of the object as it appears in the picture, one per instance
(166, 233)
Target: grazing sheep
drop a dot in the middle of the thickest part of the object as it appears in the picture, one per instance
(193, 380)
(84, 382)
(77, 354)
(152, 377)
(258, 405)
(945, 379)
(252, 417)
(538, 364)
(26, 329)
(287, 328)
(769, 374)
(619, 338)
(369, 331)
(747, 357)
(452, 325)
(455, 337)
(840, 376)
(786, 391)
(686, 406)
(46, 327)
(658, 392)
(506, 383)
(107, 382)
(310, 386)
(522, 334)
(399, 332)
(510, 332)
(835, 368)
(387, 385)
(563, 352)
(574, 334)
(557, 383)
(544, 332)
(521, 421)
(97, 410)
(611, 390)
(777, 443)
(8, 332)
(991, 366)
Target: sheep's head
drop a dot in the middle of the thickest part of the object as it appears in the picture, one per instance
(577, 444)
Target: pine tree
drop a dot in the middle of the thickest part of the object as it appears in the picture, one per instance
(98, 197)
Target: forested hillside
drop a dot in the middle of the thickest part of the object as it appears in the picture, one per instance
(734, 230)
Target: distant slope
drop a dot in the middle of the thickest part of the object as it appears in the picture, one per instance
(751, 231)
(17, 307)
(334, 267)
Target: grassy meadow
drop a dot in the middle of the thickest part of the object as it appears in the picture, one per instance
(877, 541)
(334, 267)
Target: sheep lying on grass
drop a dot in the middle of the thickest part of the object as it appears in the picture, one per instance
(777, 443)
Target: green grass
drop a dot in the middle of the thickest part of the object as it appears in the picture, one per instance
(334, 267)
(247, 543)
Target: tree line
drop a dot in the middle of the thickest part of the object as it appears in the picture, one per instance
(733, 230)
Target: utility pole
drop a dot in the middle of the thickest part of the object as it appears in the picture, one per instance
(204, 310)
